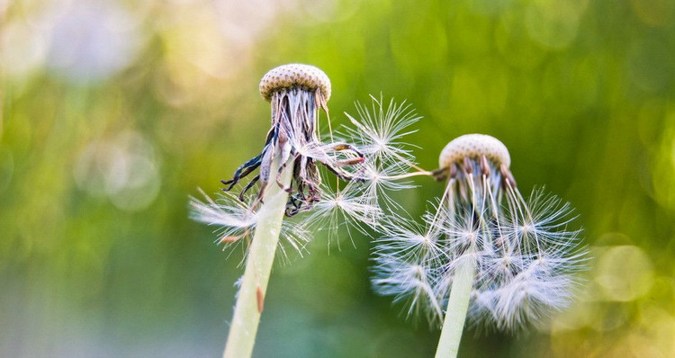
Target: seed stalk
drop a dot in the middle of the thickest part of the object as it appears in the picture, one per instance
(458, 305)
(250, 300)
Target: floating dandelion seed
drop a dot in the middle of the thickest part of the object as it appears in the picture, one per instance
(379, 131)
(381, 128)
(512, 259)
(346, 208)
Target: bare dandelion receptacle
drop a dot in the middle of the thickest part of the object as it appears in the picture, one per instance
(297, 92)
(474, 146)
(296, 75)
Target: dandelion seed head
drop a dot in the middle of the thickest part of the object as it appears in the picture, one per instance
(292, 76)
(524, 253)
(473, 146)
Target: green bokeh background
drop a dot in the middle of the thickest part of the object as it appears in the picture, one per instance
(113, 113)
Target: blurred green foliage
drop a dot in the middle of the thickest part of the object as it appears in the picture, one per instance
(114, 112)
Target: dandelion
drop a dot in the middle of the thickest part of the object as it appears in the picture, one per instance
(497, 259)
(286, 180)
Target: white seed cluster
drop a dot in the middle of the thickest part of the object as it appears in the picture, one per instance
(295, 75)
(524, 254)
(473, 146)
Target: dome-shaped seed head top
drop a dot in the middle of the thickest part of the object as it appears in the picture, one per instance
(295, 75)
(474, 146)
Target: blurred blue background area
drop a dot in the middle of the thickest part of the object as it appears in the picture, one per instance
(114, 112)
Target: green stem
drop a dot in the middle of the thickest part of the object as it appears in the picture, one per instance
(251, 295)
(458, 304)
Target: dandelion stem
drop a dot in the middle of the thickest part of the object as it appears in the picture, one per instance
(251, 295)
(458, 304)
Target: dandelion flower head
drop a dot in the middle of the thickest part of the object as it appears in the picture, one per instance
(525, 255)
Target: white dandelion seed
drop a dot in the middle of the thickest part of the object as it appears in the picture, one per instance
(410, 241)
(233, 216)
(380, 131)
(235, 224)
(233, 219)
(378, 183)
(410, 283)
(346, 208)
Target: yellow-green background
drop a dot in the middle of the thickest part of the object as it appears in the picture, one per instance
(114, 112)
